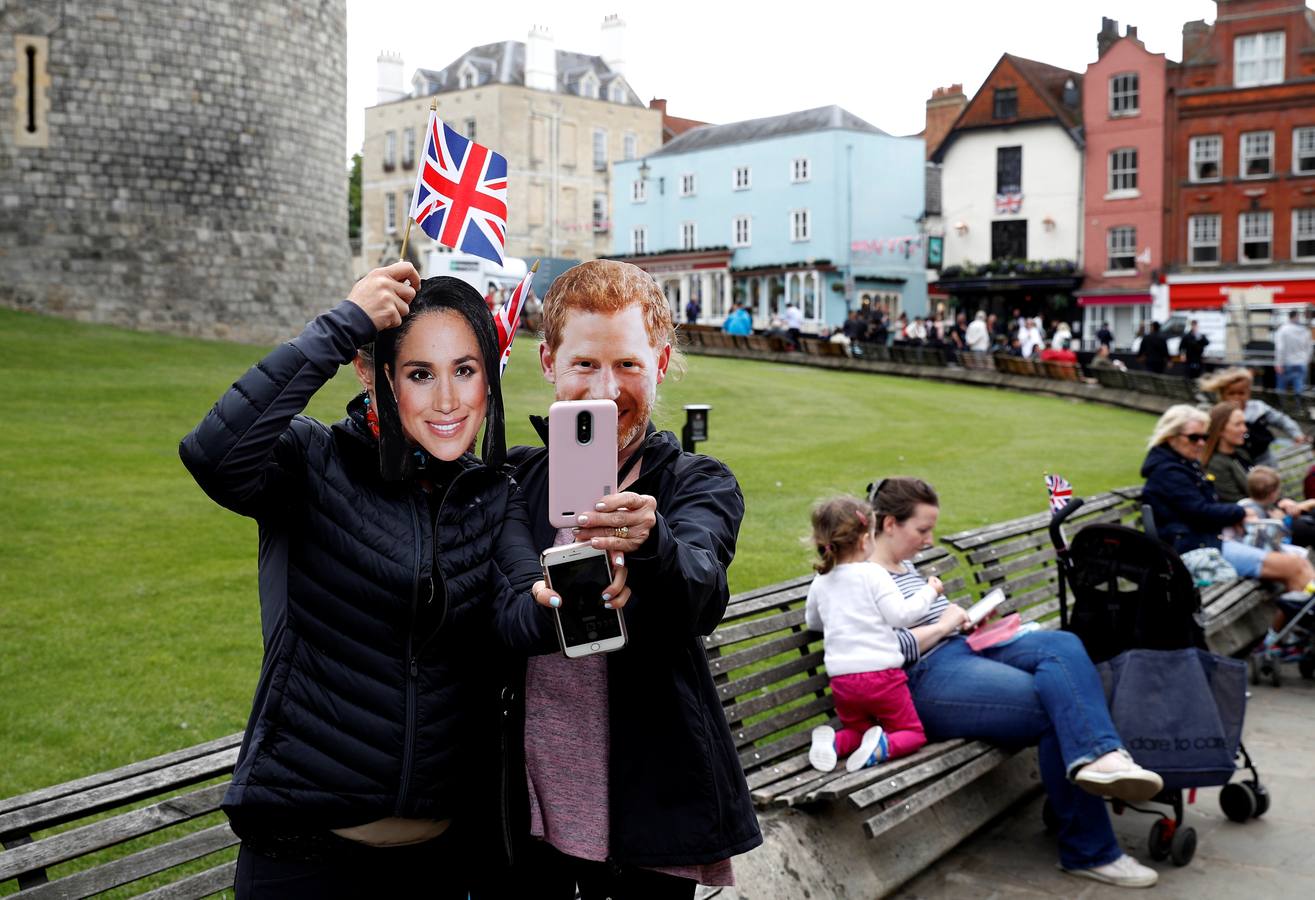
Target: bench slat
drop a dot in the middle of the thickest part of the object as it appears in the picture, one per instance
(765, 601)
(766, 677)
(132, 769)
(749, 733)
(722, 665)
(755, 628)
(68, 845)
(976, 537)
(849, 782)
(65, 809)
(739, 712)
(915, 775)
(903, 810)
(130, 868)
(194, 887)
(777, 771)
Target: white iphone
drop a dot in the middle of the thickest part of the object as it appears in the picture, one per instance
(579, 574)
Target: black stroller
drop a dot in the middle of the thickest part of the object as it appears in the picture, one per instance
(1132, 593)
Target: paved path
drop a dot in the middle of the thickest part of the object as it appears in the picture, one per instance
(1265, 859)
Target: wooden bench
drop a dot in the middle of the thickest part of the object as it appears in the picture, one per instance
(1062, 371)
(870, 351)
(819, 347)
(972, 359)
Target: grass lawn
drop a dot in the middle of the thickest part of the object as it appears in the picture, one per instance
(129, 619)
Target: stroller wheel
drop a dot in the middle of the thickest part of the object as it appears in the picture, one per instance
(1049, 819)
(1238, 801)
(1262, 798)
(1183, 846)
(1157, 845)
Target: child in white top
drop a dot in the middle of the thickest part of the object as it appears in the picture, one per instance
(857, 606)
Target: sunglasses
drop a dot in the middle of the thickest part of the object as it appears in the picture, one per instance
(1194, 438)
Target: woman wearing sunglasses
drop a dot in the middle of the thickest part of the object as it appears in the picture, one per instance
(1188, 512)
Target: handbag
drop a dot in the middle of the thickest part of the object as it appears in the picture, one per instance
(1179, 712)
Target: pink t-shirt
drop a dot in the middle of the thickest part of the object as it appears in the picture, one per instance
(566, 752)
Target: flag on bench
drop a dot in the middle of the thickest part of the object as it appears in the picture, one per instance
(460, 197)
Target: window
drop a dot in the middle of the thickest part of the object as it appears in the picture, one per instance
(1258, 59)
(799, 169)
(638, 190)
(1206, 155)
(1303, 151)
(629, 145)
(1257, 154)
(1123, 170)
(390, 151)
(741, 178)
(1009, 239)
(1123, 95)
(688, 236)
(1006, 103)
(741, 230)
(408, 148)
(639, 239)
(687, 185)
(800, 229)
(31, 95)
(470, 129)
(1121, 247)
(469, 77)
(588, 86)
(600, 212)
(616, 92)
(1255, 236)
(390, 213)
(1203, 240)
(600, 149)
(1008, 170)
(1303, 234)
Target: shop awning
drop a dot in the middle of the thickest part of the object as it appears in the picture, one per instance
(1114, 299)
(1215, 294)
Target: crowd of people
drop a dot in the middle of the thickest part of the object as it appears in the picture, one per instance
(415, 731)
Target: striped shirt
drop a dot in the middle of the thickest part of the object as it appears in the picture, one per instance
(909, 583)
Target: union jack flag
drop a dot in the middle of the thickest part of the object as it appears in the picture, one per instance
(1008, 203)
(1061, 492)
(460, 196)
(509, 316)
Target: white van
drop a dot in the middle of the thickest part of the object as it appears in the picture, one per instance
(474, 270)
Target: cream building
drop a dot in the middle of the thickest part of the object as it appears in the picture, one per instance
(560, 118)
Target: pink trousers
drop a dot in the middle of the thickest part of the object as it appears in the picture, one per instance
(864, 699)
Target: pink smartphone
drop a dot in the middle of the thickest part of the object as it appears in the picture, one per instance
(581, 457)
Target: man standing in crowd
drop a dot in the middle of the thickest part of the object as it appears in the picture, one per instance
(692, 311)
(794, 321)
(978, 337)
(1105, 337)
(631, 785)
(1154, 352)
(1292, 347)
(1193, 348)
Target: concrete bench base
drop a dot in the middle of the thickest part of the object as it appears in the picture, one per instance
(824, 852)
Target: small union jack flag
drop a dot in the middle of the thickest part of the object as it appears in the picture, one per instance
(1061, 492)
(460, 196)
(508, 318)
(1008, 203)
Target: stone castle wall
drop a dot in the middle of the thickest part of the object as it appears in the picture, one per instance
(188, 175)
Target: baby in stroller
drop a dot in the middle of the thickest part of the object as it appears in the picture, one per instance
(1272, 528)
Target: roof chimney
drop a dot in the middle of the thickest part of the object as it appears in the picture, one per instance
(656, 103)
(540, 60)
(942, 109)
(1196, 38)
(1107, 37)
(389, 77)
(614, 36)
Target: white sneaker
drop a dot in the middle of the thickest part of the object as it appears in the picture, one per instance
(871, 750)
(1119, 777)
(823, 752)
(1123, 872)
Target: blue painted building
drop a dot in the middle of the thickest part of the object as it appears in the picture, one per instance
(816, 208)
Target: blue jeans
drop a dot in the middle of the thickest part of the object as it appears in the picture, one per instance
(1039, 689)
(1292, 378)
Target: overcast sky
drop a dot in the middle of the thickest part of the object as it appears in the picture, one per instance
(721, 62)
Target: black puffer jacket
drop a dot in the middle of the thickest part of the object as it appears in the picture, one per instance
(676, 788)
(1188, 513)
(377, 608)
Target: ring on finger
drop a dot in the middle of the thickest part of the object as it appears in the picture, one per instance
(622, 531)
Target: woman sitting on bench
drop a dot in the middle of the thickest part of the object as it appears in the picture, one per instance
(1039, 688)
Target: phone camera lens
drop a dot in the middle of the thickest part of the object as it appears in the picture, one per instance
(584, 427)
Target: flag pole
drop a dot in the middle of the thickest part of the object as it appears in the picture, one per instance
(406, 235)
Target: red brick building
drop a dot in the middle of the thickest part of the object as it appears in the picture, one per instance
(1240, 171)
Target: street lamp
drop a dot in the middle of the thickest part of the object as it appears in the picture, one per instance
(696, 426)
(645, 170)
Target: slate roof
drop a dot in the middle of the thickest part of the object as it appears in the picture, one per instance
(823, 118)
(504, 63)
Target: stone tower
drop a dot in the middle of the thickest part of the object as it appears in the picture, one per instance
(174, 165)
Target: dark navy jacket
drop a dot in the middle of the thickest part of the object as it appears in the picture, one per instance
(677, 791)
(1188, 514)
(377, 605)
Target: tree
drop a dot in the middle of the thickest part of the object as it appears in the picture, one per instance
(354, 198)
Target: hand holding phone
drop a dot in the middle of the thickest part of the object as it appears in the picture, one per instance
(581, 458)
(586, 623)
